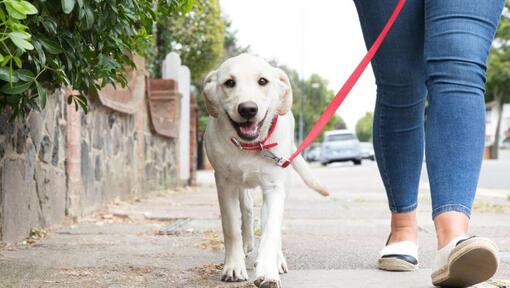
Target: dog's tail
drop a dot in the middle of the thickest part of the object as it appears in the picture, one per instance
(304, 172)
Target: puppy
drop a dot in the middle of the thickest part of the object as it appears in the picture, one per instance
(250, 127)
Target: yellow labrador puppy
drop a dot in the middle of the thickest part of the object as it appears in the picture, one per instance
(250, 128)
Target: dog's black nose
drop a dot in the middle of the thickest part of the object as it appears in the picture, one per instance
(248, 109)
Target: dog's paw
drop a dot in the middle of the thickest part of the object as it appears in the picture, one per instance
(282, 263)
(267, 273)
(234, 273)
(263, 282)
(247, 245)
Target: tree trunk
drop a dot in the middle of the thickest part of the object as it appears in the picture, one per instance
(495, 146)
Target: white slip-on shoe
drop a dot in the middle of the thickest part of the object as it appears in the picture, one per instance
(399, 256)
(465, 261)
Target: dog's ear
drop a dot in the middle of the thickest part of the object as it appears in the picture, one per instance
(286, 95)
(210, 94)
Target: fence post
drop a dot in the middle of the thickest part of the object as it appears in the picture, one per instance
(172, 69)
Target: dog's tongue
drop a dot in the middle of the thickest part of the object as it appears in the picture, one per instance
(249, 128)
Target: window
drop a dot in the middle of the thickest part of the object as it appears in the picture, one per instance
(340, 137)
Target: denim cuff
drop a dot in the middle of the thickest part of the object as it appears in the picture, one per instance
(451, 207)
(404, 209)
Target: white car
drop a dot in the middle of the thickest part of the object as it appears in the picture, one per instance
(367, 151)
(506, 143)
(339, 146)
(313, 153)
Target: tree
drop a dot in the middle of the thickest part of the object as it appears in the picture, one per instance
(364, 127)
(231, 46)
(498, 73)
(197, 36)
(317, 96)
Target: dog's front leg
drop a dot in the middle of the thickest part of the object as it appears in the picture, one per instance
(234, 269)
(267, 271)
(246, 200)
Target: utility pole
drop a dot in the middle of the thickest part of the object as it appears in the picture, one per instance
(302, 113)
(302, 96)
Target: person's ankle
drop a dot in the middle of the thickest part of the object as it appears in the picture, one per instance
(444, 237)
(403, 227)
(449, 225)
(399, 234)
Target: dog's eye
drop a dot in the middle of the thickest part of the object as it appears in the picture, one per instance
(263, 81)
(230, 83)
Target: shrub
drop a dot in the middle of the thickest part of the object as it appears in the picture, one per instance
(84, 44)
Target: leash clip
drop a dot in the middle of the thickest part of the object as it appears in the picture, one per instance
(237, 143)
(279, 161)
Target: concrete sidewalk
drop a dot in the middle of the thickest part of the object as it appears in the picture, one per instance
(173, 239)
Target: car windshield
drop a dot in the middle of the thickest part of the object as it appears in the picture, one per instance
(339, 137)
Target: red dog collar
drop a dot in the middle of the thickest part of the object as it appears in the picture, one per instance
(258, 146)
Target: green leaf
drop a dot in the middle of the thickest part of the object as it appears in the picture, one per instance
(43, 95)
(68, 5)
(24, 74)
(22, 7)
(4, 75)
(2, 15)
(18, 26)
(20, 34)
(89, 18)
(26, 7)
(17, 60)
(83, 102)
(13, 12)
(7, 58)
(51, 46)
(16, 89)
(50, 25)
(1, 58)
(40, 51)
(21, 43)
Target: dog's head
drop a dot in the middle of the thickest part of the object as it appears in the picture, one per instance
(247, 92)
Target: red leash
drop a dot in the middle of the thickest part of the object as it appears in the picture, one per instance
(344, 91)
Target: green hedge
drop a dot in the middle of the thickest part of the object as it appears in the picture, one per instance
(47, 44)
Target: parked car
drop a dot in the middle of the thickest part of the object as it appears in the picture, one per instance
(506, 144)
(367, 151)
(340, 145)
(313, 153)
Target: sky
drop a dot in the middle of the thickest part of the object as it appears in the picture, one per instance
(322, 37)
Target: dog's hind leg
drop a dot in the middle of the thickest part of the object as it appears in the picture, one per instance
(234, 269)
(246, 200)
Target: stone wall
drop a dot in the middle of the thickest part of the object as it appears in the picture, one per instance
(66, 163)
(32, 170)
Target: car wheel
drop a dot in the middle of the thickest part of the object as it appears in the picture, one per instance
(357, 162)
(372, 158)
(324, 163)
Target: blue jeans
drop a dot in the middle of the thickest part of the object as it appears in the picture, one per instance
(436, 53)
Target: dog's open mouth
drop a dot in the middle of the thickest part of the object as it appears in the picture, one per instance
(248, 130)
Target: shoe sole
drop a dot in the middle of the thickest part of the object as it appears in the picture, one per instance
(396, 265)
(471, 262)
